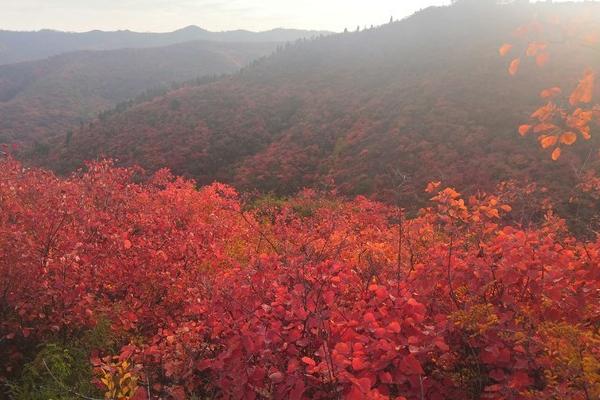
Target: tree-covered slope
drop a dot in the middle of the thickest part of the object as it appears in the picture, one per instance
(381, 111)
(50, 97)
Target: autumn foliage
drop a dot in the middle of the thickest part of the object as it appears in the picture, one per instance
(213, 296)
(192, 290)
(563, 118)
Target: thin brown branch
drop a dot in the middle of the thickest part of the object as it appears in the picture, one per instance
(65, 387)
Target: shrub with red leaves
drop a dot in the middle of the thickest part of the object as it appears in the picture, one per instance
(312, 297)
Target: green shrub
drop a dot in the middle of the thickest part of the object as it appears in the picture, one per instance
(61, 370)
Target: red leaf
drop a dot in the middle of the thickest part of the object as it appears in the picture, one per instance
(309, 361)
(358, 364)
(297, 391)
(276, 377)
(394, 327)
(411, 366)
(342, 348)
(369, 317)
(520, 380)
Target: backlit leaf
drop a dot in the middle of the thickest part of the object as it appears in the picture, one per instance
(524, 129)
(535, 48)
(542, 59)
(514, 66)
(551, 92)
(548, 140)
(568, 138)
(585, 89)
(545, 112)
(504, 49)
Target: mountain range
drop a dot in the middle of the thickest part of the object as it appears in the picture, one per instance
(28, 46)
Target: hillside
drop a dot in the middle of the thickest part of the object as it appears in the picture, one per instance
(28, 46)
(381, 111)
(44, 98)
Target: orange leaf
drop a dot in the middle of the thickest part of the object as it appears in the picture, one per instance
(585, 132)
(580, 118)
(542, 59)
(514, 66)
(431, 186)
(544, 113)
(568, 138)
(585, 89)
(556, 154)
(504, 49)
(524, 129)
(548, 140)
(551, 92)
(534, 48)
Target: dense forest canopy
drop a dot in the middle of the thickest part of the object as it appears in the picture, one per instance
(52, 97)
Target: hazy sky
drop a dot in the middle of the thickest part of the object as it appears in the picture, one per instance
(167, 15)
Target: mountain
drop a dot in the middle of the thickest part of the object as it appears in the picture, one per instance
(44, 98)
(28, 46)
(379, 112)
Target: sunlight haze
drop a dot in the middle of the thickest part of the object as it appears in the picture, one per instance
(215, 15)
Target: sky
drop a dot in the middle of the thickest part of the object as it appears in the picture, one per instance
(214, 15)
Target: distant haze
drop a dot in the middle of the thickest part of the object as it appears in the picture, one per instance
(215, 15)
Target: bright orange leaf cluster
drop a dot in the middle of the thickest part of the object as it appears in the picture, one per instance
(554, 123)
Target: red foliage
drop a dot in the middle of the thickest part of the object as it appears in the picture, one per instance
(308, 298)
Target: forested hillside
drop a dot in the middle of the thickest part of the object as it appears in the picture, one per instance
(380, 111)
(54, 96)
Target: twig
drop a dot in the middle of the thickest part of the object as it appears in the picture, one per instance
(62, 385)
(399, 259)
(260, 232)
(451, 287)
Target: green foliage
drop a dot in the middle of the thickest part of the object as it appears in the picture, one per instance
(48, 376)
(68, 137)
(61, 370)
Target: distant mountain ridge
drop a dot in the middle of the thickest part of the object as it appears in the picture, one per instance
(29, 46)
